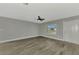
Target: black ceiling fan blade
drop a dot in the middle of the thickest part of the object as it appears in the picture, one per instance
(41, 19)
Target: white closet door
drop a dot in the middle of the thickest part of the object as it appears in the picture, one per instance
(71, 31)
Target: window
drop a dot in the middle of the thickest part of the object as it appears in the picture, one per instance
(52, 28)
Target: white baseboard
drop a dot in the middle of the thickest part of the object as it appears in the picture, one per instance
(35, 36)
(60, 39)
(52, 37)
(18, 38)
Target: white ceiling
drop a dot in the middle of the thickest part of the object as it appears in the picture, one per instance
(49, 11)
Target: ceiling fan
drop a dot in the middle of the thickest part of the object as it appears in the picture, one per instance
(41, 19)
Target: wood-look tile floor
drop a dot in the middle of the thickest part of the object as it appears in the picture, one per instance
(38, 46)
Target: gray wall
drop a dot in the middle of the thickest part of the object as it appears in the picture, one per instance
(71, 29)
(12, 29)
(59, 26)
(67, 29)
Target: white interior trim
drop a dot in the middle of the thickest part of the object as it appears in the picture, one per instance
(29, 37)
(34, 36)
(52, 37)
(18, 38)
(59, 39)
